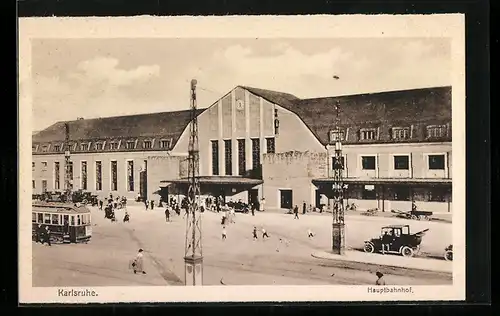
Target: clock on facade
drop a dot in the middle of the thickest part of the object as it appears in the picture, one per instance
(240, 105)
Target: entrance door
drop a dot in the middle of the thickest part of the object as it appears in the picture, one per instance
(253, 196)
(317, 199)
(44, 186)
(143, 184)
(286, 199)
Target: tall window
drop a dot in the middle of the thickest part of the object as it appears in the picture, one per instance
(114, 176)
(130, 175)
(271, 146)
(215, 157)
(84, 175)
(436, 131)
(368, 162)
(399, 133)
(401, 162)
(241, 157)
(98, 175)
(255, 153)
(33, 166)
(57, 175)
(228, 157)
(44, 165)
(368, 134)
(436, 162)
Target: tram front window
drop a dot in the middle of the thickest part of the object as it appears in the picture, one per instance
(84, 219)
(46, 218)
(78, 221)
(55, 219)
(72, 220)
(33, 218)
(40, 218)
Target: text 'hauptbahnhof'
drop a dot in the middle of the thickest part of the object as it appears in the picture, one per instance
(257, 143)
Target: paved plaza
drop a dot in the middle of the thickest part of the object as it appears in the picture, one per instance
(238, 260)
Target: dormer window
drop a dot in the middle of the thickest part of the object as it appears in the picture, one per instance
(113, 146)
(337, 134)
(57, 147)
(98, 146)
(84, 146)
(130, 145)
(34, 148)
(45, 148)
(165, 144)
(368, 134)
(436, 131)
(399, 133)
(146, 144)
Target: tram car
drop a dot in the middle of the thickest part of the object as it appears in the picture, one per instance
(67, 223)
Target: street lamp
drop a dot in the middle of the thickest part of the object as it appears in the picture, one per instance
(338, 226)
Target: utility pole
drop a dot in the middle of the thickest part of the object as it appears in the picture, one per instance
(338, 226)
(193, 255)
(67, 171)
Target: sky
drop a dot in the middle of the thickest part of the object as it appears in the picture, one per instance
(92, 78)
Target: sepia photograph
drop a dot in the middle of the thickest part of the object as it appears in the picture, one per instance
(256, 165)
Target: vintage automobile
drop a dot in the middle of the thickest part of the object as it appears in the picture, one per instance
(67, 223)
(414, 214)
(401, 241)
(448, 253)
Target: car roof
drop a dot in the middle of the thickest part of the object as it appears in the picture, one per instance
(396, 226)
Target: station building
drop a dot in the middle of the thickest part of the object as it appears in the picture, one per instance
(257, 143)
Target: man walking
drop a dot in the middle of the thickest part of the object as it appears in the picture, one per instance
(138, 263)
(224, 233)
(167, 214)
(264, 234)
(296, 212)
(255, 233)
(304, 207)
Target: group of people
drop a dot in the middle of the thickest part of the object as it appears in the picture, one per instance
(42, 234)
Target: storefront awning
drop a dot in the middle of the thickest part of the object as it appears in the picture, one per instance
(384, 181)
(215, 180)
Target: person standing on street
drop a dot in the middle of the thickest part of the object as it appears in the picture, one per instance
(152, 204)
(380, 280)
(264, 234)
(304, 208)
(47, 235)
(296, 212)
(138, 263)
(167, 214)
(146, 204)
(224, 233)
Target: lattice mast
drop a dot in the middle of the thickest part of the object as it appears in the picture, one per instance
(67, 168)
(193, 255)
(338, 226)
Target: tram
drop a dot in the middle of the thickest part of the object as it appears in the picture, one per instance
(67, 223)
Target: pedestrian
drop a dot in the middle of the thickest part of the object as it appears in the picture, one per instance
(255, 233)
(296, 212)
(413, 206)
(47, 235)
(152, 204)
(101, 203)
(264, 233)
(261, 205)
(146, 204)
(167, 214)
(138, 263)
(304, 208)
(380, 278)
(38, 234)
(126, 218)
(310, 234)
(224, 233)
(252, 207)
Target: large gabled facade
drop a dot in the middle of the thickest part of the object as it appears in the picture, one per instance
(397, 147)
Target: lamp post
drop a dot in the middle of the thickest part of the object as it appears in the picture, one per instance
(338, 225)
(67, 162)
(193, 254)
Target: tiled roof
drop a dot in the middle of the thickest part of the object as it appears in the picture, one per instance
(166, 124)
(383, 110)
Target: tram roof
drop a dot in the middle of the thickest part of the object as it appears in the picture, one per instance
(52, 207)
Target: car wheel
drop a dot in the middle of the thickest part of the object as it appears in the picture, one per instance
(407, 251)
(369, 248)
(448, 256)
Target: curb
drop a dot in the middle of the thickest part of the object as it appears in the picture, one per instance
(370, 264)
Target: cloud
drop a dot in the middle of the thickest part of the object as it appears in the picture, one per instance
(106, 70)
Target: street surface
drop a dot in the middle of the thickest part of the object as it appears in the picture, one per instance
(238, 260)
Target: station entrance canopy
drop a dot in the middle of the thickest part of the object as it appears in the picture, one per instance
(212, 185)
